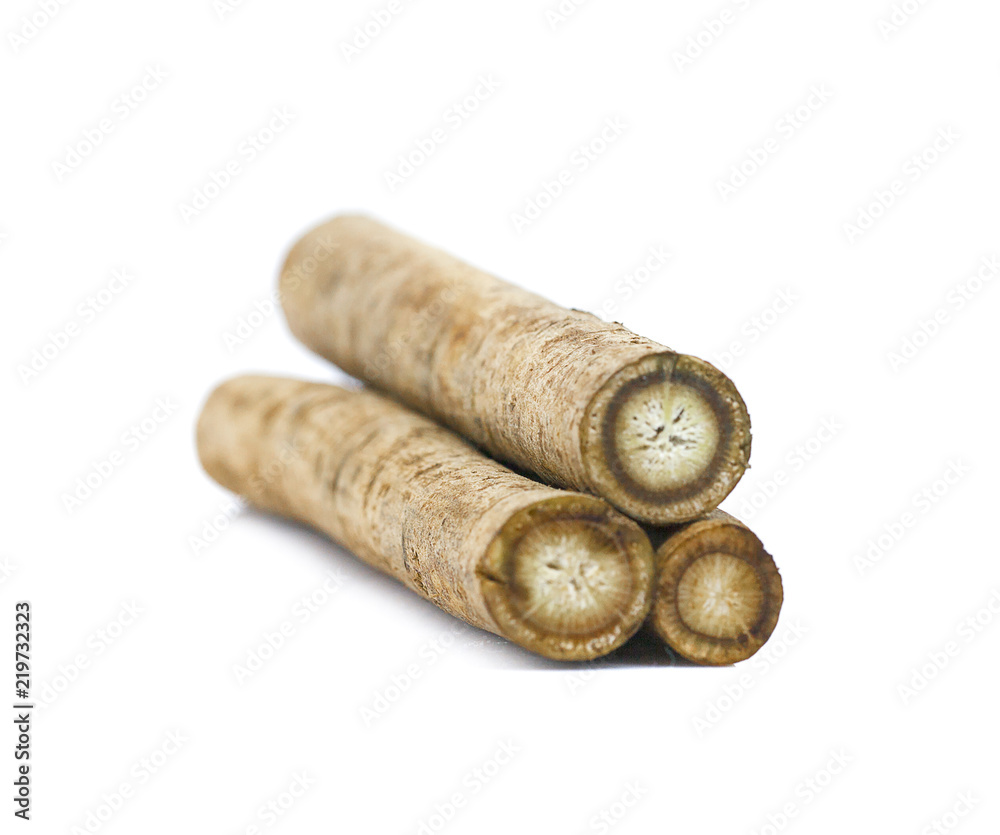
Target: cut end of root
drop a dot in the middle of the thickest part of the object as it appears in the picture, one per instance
(568, 578)
(666, 438)
(718, 593)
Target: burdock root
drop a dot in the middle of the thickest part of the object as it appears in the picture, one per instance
(583, 403)
(718, 592)
(562, 574)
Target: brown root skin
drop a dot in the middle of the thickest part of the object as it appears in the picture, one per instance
(561, 574)
(529, 381)
(718, 592)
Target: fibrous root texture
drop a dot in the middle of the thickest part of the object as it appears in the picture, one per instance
(562, 574)
(582, 403)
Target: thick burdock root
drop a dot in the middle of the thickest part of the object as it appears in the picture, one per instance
(562, 574)
(582, 403)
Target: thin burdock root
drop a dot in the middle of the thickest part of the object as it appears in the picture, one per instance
(718, 592)
(583, 403)
(562, 574)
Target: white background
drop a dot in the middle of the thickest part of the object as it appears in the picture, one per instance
(691, 750)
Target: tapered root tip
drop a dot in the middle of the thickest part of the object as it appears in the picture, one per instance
(666, 438)
(568, 578)
(718, 594)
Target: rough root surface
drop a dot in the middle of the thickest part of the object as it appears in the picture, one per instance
(560, 573)
(509, 370)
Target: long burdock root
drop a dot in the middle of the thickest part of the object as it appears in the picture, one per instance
(582, 403)
(718, 592)
(562, 574)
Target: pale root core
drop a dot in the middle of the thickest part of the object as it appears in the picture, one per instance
(719, 596)
(567, 575)
(666, 436)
